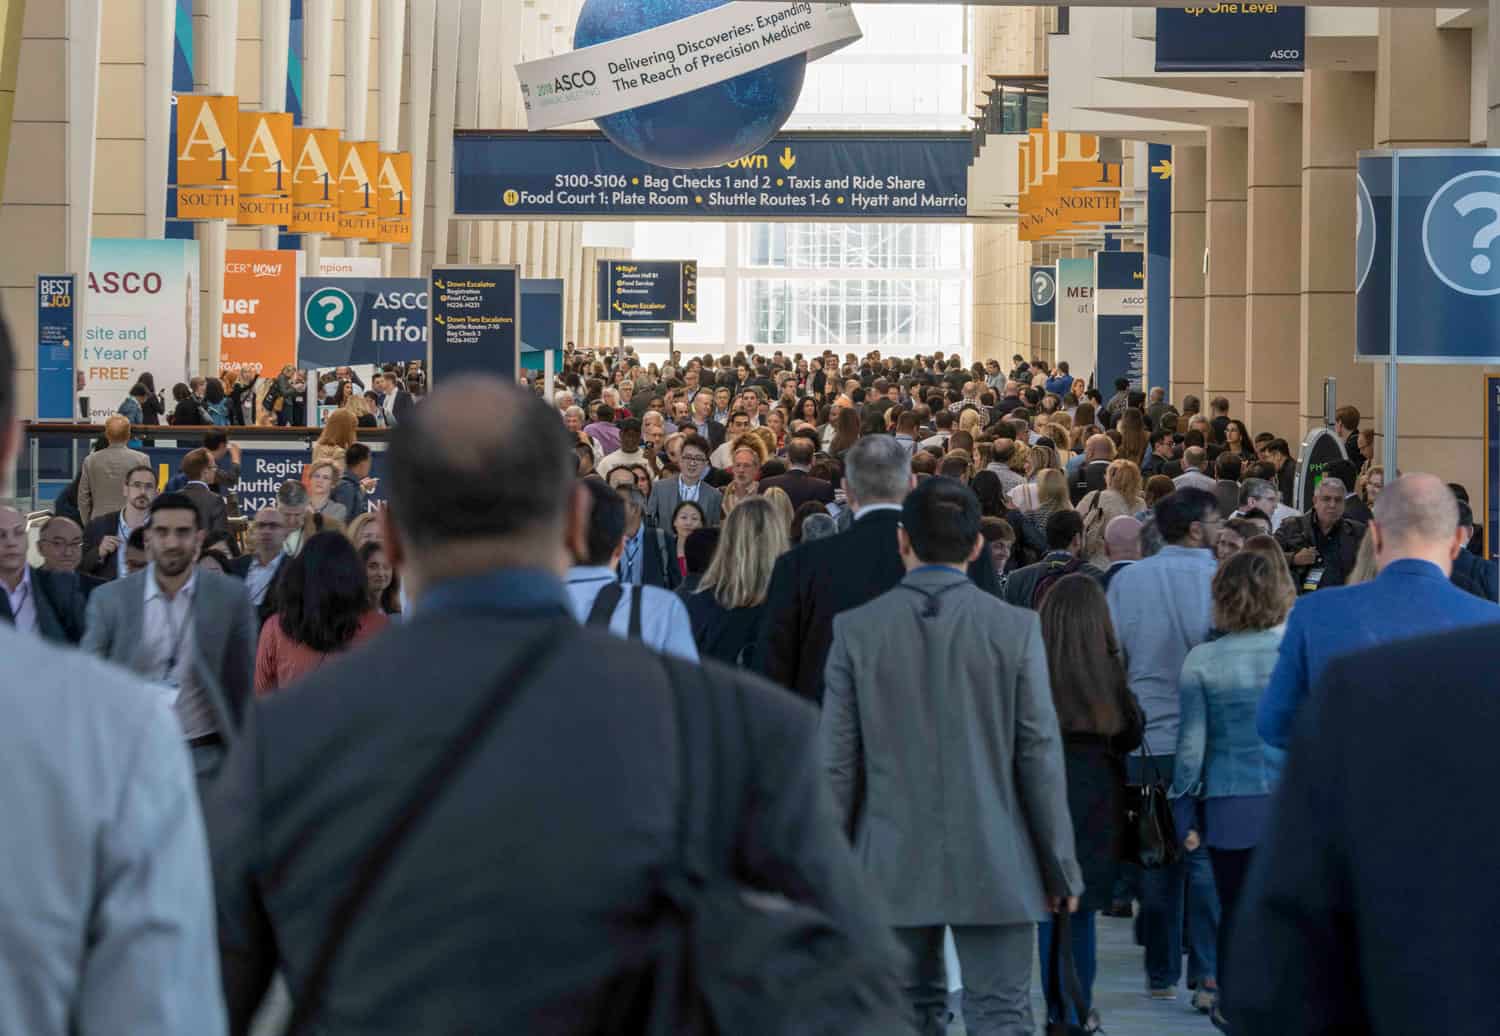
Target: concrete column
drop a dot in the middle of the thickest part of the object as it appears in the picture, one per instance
(1189, 230)
(419, 127)
(275, 30)
(1273, 264)
(213, 235)
(1224, 284)
(1422, 100)
(1338, 119)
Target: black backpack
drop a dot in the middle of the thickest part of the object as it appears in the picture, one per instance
(1054, 571)
(726, 959)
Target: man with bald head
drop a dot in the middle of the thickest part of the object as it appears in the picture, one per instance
(60, 542)
(102, 487)
(1416, 537)
(38, 600)
(574, 732)
(1098, 452)
(1122, 542)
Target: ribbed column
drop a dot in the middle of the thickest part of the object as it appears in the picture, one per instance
(275, 32)
(1189, 230)
(1273, 303)
(1224, 284)
(419, 124)
(219, 28)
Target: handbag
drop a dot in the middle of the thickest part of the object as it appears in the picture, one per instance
(1151, 841)
(726, 958)
(1063, 985)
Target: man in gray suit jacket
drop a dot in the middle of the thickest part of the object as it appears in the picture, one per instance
(193, 633)
(964, 821)
(669, 492)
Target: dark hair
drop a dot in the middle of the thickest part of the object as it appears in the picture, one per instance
(1345, 472)
(1229, 466)
(681, 504)
(213, 392)
(181, 392)
(630, 424)
(606, 522)
(941, 516)
(355, 455)
(390, 598)
(148, 469)
(196, 463)
(1083, 656)
(846, 431)
(174, 502)
(808, 508)
(442, 491)
(137, 539)
(699, 549)
(322, 593)
(772, 468)
(1465, 515)
(990, 492)
(1062, 527)
(1176, 512)
(139, 390)
(1280, 446)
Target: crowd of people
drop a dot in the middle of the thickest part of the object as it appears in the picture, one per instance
(1058, 655)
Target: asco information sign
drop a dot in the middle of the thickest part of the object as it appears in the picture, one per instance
(630, 290)
(1230, 37)
(475, 321)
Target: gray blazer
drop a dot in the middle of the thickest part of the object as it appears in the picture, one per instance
(101, 488)
(664, 501)
(941, 742)
(225, 634)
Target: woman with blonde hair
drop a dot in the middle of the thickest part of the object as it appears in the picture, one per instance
(339, 433)
(1052, 496)
(1038, 459)
(1121, 495)
(970, 421)
(359, 406)
(728, 611)
(364, 530)
(777, 498)
(322, 476)
(1133, 439)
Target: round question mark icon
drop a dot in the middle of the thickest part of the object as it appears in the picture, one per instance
(329, 314)
(1456, 236)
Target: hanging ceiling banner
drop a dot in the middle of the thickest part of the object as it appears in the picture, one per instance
(677, 58)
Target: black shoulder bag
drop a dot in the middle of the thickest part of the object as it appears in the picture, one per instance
(1150, 832)
(728, 959)
(424, 794)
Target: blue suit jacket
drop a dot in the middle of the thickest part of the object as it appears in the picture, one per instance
(1409, 599)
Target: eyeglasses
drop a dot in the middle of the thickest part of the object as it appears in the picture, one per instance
(68, 545)
(693, 458)
(141, 486)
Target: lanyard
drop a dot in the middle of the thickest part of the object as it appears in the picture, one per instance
(178, 635)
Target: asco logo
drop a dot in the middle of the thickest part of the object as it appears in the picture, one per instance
(567, 83)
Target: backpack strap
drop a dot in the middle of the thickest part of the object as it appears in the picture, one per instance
(604, 605)
(637, 595)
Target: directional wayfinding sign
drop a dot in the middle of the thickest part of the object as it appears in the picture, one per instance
(475, 321)
(655, 291)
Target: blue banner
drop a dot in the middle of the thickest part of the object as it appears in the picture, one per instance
(1230, 37)
(656, 291)
(841, 176)
(56, 338)
(262, 471)
(475, 314)
(1427, 269)
(541, 321)
(1043, 295)
(1119, 318)
(1491, 465)
(351, 320)
(1159, 265)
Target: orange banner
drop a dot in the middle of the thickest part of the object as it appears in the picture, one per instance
(259, 323)
(313, 219)
(208, 151)
(315, 172)
(394, 232)
(208, 203)
(358, 162)
(265, 165)
(395, 185)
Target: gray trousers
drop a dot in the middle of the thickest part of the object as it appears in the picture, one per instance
(996, 962)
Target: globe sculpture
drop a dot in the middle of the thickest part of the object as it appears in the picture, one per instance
(705, 127)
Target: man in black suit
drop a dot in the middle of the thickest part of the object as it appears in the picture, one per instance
(703, 420)
(1374, 885)
(483, 561)
(797, 483)
(105, 537)
(1098, 453)
(50, 604)
(198, 466)
(396, 402)
(815, 581)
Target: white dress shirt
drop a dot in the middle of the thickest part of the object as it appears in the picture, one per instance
(23, 602)
(168, 645)
(258, 578)
(688, 492)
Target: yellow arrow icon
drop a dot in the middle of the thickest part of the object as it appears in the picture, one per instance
(440, 285)
(619, 307)
(1163, 168)
(438, 318)
(787, 159)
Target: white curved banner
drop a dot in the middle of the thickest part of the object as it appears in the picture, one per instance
(679, 57)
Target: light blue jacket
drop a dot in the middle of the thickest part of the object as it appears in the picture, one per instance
(1219, 752)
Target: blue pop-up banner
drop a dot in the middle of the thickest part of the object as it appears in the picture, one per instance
(345, 321)
(1230, 37)
(844, 176)
(1158, 264)
(1119, 317)
(56, 336)
(1044, 295)
(1427, 256)
(541, 322)
(475, 321)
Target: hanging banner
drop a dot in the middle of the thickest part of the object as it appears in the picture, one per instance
(265, 172)
(1043, 295)
(1119, 317)
(56, 311)
(259, 325)
(474, 315)
(1230, 37)
(356, 190)
(182, 83)
(1427, 272)
(632, 290)
(848, 176)
(142, 318)
(1064, 185)
(1158, 264)
(393, 199)
(314, 181)
(1075, 315)
(208, 157)
(344, 321)
(677, 58)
